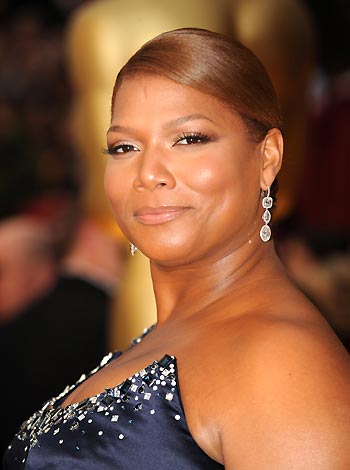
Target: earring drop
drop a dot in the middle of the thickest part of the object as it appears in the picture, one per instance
(267, 202)
(133, 249)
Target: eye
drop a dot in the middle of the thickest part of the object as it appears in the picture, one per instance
(190, 138)
(121, 149)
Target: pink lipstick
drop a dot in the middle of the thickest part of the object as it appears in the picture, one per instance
(159, 215)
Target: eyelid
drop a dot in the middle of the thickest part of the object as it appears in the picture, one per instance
(112, 149)
(202, 138)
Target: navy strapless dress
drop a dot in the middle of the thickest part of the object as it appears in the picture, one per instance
(137, 424)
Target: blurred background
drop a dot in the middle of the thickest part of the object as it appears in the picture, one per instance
(69, 291)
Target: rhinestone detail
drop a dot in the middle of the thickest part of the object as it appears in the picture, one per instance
(52, 414)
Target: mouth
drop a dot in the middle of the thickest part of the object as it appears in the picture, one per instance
(159, 215)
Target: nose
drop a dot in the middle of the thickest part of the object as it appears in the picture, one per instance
(153, 172)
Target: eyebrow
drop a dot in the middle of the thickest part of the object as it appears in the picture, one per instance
(184, 119)
(173, 123)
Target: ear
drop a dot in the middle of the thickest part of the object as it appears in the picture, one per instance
(271, 153)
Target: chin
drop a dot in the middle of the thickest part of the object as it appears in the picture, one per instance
(169, 254)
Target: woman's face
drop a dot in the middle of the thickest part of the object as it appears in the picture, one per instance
(183, 178)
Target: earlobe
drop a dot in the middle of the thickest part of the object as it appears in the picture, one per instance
(271, 157)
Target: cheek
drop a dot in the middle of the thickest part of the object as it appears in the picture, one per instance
(213, 177)
(226, 186)
(115, 189)
(114, 180)
(208, 179)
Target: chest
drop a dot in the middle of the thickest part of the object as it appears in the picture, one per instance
(140, 422)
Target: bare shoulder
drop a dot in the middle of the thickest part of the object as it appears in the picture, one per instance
(283, 399)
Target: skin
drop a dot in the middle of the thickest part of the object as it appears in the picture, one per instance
(262, 375)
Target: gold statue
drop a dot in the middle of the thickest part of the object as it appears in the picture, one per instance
(103, 34)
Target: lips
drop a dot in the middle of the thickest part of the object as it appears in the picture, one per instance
(159, 215)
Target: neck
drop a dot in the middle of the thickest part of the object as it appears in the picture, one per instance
(185, 290)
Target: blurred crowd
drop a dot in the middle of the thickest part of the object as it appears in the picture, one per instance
(58, 272)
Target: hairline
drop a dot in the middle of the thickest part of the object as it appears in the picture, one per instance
(146, 73)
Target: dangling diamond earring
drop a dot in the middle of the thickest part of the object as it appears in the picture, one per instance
(133, 249)
(267, 202)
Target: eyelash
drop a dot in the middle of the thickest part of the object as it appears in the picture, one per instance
(196, 137)
(199, 138)
(113, 150)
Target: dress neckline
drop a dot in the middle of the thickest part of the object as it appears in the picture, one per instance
(108, 358)
(161, 363)
(52, 414)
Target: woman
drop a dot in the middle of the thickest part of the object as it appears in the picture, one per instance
(195, 147)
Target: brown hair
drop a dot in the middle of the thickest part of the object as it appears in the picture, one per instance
(214, 64)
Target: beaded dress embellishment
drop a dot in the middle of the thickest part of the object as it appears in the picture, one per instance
(140, 423)
(111, 401)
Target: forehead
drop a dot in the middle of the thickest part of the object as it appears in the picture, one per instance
(161, 96)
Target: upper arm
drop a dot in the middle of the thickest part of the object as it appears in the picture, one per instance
(290, 407)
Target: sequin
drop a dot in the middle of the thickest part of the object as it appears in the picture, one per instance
(108, 400)
(148, 379)
(74, 427)
(125, 386)
(141, 385)
(166, 361)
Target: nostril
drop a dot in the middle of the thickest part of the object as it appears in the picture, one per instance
(153, 176)
(161, 183)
